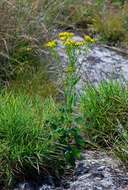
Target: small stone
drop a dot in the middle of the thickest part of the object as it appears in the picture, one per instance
(106, 184)
(97, 174)
(46, 187)
(97, 188)
(81, 169)
(101, 168)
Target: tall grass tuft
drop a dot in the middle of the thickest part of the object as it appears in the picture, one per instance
(105, 114)
(26, 140)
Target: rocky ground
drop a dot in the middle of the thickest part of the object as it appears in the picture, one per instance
(96, 171)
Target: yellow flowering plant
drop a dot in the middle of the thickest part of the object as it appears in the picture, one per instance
(65, 35)
(73, 50)
(89, 39)
(51, 44)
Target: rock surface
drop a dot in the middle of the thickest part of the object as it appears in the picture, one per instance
(96, 171)
(100, 64)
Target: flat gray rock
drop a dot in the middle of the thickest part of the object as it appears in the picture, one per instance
(98, 171)
(100, 64)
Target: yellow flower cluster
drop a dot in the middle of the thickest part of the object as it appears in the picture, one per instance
(65, 35)
(88, 39)
(51, 44)
(66, 38)
(74, 43)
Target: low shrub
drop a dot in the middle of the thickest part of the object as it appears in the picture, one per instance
(110, 26)
(110, 22)
(108, 19)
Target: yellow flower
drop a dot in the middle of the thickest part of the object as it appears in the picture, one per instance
(74, 43)
(89, 39)
(70, 43)
(51, 44)
(63, 38)
(81, 43)
(65, 35)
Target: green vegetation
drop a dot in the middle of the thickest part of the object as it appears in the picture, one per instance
(39, 131)
(28, 137)
(111, 24)
(105, 111)
(36, 132)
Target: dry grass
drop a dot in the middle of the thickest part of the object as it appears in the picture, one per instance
(34, 21)
(25, 22)
(30, 22)
(111, 23)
